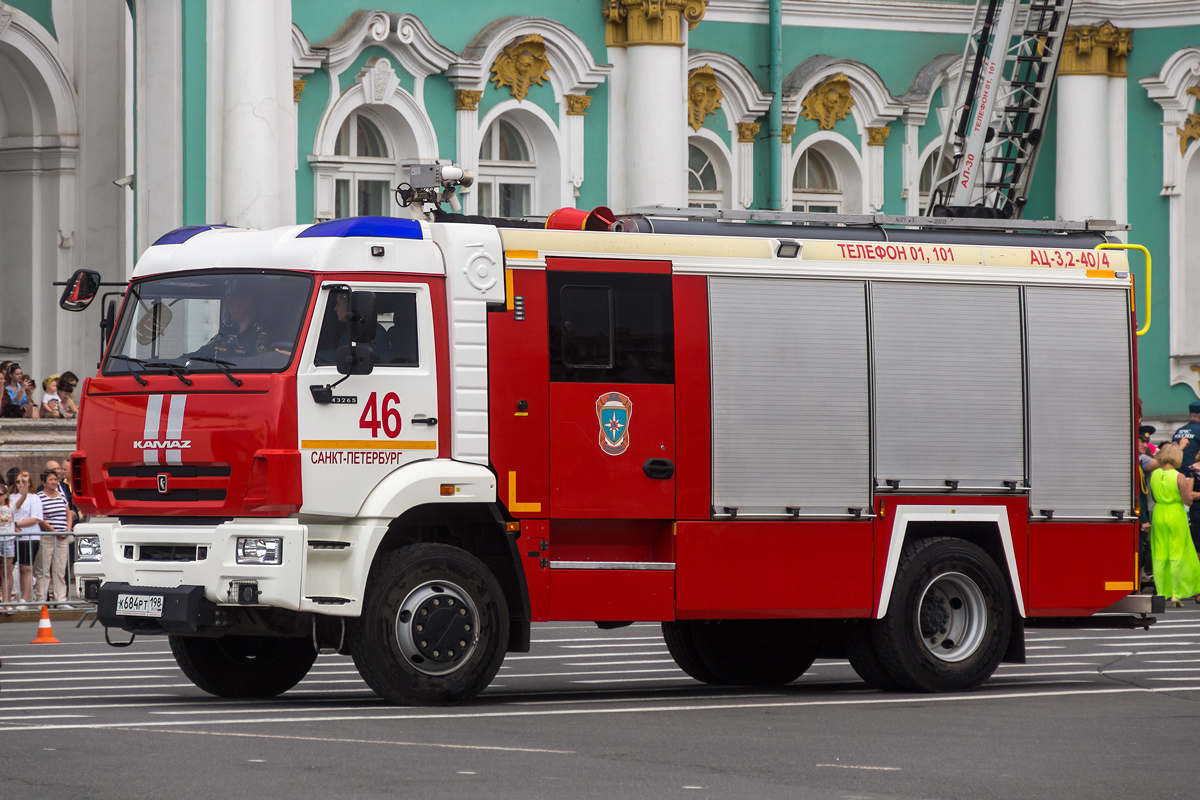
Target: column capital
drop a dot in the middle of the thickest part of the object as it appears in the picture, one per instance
(577, 104)
(788, 132)
(467, 99)
(1096, 50)
(297, 90)
(747, 131)
(629, 23)
(877, 137)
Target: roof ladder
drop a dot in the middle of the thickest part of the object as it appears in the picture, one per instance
(989, 150)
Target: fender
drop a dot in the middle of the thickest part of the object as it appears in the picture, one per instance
(904, 514)
(415, 484)
(421, 482)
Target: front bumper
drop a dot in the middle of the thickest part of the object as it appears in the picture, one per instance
(184, 609)
(201, 557)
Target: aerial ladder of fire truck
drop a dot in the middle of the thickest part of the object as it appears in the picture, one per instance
(985, 164)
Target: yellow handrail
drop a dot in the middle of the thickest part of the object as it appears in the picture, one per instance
(1146, 253)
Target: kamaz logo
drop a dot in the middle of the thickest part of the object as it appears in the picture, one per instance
(165, 444)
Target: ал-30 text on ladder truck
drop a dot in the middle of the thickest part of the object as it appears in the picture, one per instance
(900, 439)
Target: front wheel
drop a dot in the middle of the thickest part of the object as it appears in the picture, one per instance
(434, 627)
(948, 620)
(243, 666)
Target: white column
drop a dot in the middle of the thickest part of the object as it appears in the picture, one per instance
(466, 152)
(255, 129)
(656, 116)
(159, 159)
(616, 129)
(873, 191)
(1082, 179)
(1117, 125)
(912, 166)
(571, 126)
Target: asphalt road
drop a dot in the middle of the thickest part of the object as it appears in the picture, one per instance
(589, 713)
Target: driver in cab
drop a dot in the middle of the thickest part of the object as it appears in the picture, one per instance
(241, 335)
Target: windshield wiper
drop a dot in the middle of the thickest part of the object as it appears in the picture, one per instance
(221, 365)
(141, 364)
(178, 370)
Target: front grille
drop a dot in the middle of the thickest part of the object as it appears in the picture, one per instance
(174, 470)
(167, 552)
(173, 496)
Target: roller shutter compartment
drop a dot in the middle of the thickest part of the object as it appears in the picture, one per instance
(949, 390)
(1080, 402)
(789, 396)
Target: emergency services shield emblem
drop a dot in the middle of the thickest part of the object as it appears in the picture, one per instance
(614, 410)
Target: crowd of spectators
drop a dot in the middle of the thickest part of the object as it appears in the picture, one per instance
(21, 398)
(35, 536)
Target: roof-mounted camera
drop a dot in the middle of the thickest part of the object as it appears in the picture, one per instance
(432, 184)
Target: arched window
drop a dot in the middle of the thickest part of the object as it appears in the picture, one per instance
(507, 172)
(704, 189)
(364, 185)
(925, 181)
(815, 184)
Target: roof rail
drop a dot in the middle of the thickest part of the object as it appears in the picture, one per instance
(879, 220)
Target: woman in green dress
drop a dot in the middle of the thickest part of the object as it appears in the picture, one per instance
(1176, 567)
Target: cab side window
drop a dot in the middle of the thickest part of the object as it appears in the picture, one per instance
(610, 327)
(396, 343)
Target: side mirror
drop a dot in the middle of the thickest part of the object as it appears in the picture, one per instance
(80, 290)
(109, 322)
(362, 317)
(355, 359)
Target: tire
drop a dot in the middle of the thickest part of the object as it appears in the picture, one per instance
(682, 646)
(744, 652)
(243, 666)
(949, 618)
(418, 593)
(860, 650)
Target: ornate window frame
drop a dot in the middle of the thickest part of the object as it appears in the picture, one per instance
(874, 107)
(743, 102)
(1181, 185)
(850, 165)
(401, 116)
(545, 140)
(573, 72)
(721, 159)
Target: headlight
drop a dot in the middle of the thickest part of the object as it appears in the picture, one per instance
(253, 550)
(87, 548)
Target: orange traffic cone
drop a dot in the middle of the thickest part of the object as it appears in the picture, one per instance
(45, 632)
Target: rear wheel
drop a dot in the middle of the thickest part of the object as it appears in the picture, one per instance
(745, 652)
(243, 666)
(948, 620)
(434, 627)
(682, 646)
(860, 650)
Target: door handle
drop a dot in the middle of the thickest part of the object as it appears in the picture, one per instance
(660, 469)
(424, 421)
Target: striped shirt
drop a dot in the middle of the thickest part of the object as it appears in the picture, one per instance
(54, 510)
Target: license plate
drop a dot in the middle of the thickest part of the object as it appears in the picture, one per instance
(139, 605)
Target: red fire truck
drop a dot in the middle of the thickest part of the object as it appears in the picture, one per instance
(898, 439)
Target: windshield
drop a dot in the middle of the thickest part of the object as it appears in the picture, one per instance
(237, 321)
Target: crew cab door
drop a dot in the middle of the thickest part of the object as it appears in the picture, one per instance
(612, 393)
(375, 423)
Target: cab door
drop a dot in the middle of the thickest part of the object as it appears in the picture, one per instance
(375, 423)
(612, 389)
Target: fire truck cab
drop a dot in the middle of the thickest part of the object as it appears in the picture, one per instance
(407, 440)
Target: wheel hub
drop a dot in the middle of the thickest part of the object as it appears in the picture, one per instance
(952, 617)
(437, 627)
